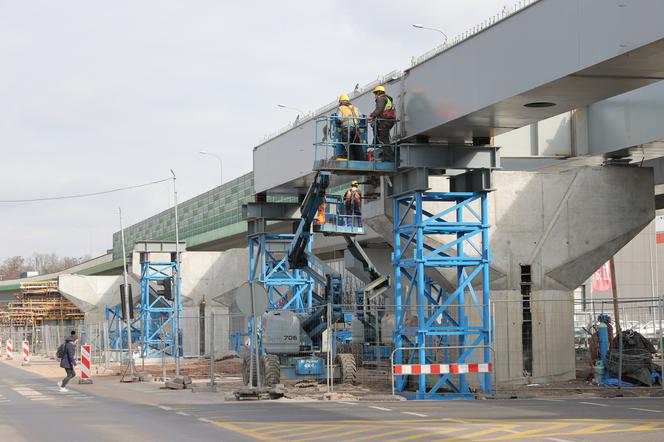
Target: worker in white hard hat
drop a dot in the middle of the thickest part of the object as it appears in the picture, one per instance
(349, 123)
(383, 119)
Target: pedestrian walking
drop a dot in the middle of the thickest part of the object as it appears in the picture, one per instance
(67, 354)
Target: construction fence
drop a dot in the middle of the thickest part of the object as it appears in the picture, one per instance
(548, 344)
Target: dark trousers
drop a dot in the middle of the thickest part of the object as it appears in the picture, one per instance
(382, 137)
(354, 218)
(350, 134)
(71, 374)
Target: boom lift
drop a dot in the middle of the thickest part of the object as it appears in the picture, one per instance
(291, 341)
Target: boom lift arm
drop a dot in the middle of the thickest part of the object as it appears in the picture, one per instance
(315, 195)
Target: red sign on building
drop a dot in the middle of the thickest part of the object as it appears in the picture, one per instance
(602, 278)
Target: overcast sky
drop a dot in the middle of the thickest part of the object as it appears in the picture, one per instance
(96, 95)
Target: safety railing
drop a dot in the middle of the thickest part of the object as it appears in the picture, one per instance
(346, 144)
(445, 369)
(337, 217)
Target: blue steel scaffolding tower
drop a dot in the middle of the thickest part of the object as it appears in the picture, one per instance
(286, 288)
(159, 307)
(445, 332)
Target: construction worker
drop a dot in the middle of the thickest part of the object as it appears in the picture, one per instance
(383, 117)
(320, 215)
(353, 205)
(349, 123)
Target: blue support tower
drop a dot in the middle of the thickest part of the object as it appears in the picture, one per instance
(286, 288)
(117, 335)
(445, 333)
(159, 304)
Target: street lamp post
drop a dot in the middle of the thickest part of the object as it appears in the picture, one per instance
(221, 170)
(176, 280)
(300, 112)
(421, 26)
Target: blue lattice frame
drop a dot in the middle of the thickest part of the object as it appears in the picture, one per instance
(287, 289)
(442, 319)
(117, 326)
(158, 315)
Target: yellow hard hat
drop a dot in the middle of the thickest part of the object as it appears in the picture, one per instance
(379, 89)
(354, 183)
(344, 97)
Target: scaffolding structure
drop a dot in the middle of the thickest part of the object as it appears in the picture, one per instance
(286, 288)
(38, 301)
(451, 328)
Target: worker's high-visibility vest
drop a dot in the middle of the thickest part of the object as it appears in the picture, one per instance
(347, 112)
(389, 111)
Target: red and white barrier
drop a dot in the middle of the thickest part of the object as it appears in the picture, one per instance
(26, 352)
(407, 369)
(86, 374)
(9, 349)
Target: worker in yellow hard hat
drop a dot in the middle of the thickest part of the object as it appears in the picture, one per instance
(383, 119)
(348, 117)
(353, 205)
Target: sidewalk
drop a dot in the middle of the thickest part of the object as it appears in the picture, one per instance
(109, 386)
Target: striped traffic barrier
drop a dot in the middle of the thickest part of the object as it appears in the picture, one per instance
(26, 352)
(9, 349)
(86, 375)
(406, 369)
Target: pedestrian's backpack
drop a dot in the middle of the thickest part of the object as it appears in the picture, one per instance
(60, 353)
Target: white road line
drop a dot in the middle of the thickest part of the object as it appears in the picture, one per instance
(511, 431)
(164, 407)
(594, 403)
(347, 403)
(202, 419)
(551, 400)
(31, 394)
(557, 440)
(182, 413)
(415, 414)
(453, 419)
(380, 408)
(646, 409)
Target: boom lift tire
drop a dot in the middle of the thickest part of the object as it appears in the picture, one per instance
(346, 362)
(246, 361)
(271, 370)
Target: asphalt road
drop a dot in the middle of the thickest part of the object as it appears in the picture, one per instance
(32, 410)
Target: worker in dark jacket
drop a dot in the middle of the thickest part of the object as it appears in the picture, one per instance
(68, 362)
(383, 119)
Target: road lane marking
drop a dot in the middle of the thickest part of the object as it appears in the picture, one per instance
(646, 409)
(207, 421)
(594, 403)
(553, 439)
(297, 433)
(31, 394)
(245, 432)
(382, 435)
(551, 400)
(335, 435)
(485, 432)
(415, 414)
(380, 408)
(534, 432)
(182, 413)
(164, 407)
